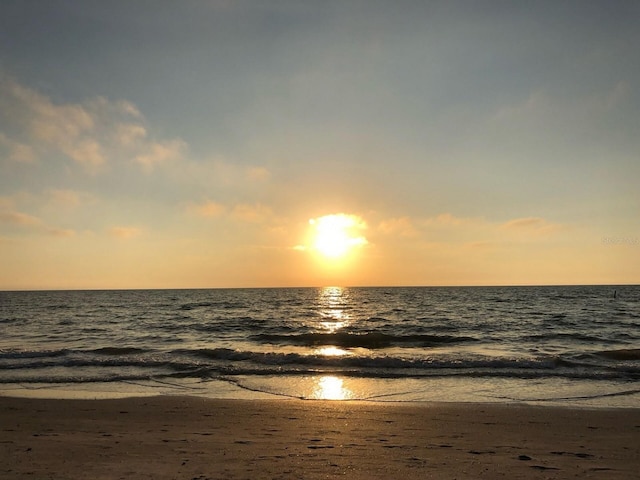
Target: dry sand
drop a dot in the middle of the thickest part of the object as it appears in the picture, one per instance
(195, 438)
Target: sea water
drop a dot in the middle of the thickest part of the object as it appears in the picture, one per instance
(569, 345)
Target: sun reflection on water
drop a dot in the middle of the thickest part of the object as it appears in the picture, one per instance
(331, 388)
(333, 308)
(331, 351)
(332, 326)
(332, 303)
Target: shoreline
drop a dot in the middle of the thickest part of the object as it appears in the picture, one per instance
(576, 393)
(194, 437)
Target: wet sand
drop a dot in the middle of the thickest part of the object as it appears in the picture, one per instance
(195, 438)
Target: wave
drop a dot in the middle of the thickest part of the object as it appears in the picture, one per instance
(253, 363)
(226, 357)
(27, 354)
(384, 362)
(545, 337)
(51, 379)
(11, 320)
(620, 354)
(109, 363)
(223, 305)
(59, 307)
(371, 340)
(292, 366)
(118, 350)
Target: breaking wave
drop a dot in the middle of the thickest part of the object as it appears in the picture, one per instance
(113, 363)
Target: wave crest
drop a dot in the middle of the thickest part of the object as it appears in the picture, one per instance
(620, 354)
(371, 340)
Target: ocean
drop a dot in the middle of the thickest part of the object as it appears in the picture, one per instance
(566, 345)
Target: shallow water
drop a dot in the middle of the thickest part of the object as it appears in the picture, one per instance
(570, 345)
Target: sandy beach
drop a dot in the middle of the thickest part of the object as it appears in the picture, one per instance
(195, 438)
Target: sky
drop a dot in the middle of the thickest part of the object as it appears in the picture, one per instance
(267, 143)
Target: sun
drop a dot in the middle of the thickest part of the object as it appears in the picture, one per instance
(337, 235)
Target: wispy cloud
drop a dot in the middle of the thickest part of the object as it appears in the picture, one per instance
(251, 213)
(449, 220)
(242, 212)
(33, 224)
(19, 218)
(258, 174)
(125, 232)
(94, 134)
(470, 233)
(68, 128)
(128, 135)
(400, 226)
(160, 153)
(207, 208)
(16, 151)
(65, 198)
(530, 226)
(230, 172)
(61, 232)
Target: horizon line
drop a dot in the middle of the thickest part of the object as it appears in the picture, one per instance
(523, 285)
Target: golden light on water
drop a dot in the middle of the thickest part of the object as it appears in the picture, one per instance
(331, 351)
(332, 305)
(332, 302)
(332, 326)
(331, 388)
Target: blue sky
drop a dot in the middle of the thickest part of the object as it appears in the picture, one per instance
(180, 144)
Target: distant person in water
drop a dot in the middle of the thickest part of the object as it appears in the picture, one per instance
(615, 294)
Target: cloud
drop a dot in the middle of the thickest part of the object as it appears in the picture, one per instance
(66, 198)
(159, 153)
(481, 245)
(206, 209)
(56, 203)
(558, 119)
(251, 213)
(33, 223)
(233, 174)
(17, 152)
(94, 134)
(519, 223)
(126, 108)
(258, 174)
(129, 134)
(125, 232)
(19, 218)
(67, 127)
(535, 103)
(530, 226)
(543, 106)
(86, 152)
(446, 231)
(61, 232)
(243, 212)
(449, 220)
(400, 226)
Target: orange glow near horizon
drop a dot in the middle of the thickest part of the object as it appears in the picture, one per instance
(333, 302)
